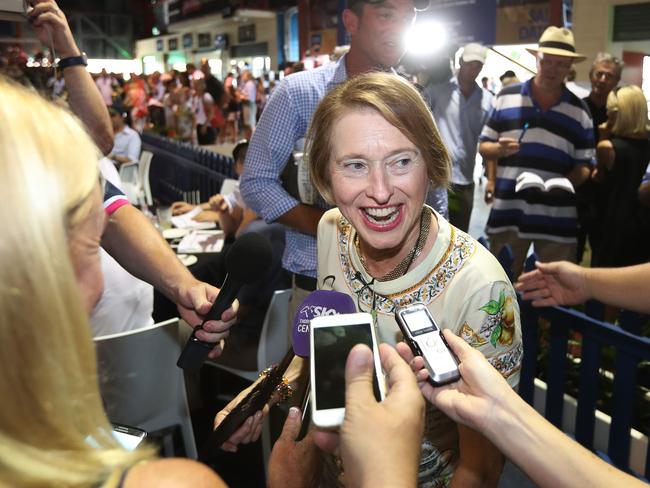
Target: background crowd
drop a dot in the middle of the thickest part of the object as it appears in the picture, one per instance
(386, 170)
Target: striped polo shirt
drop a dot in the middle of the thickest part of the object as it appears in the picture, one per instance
(555, 142)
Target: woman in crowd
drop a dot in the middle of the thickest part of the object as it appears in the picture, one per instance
(136, 101)
(53, 429)
(231, 110)
(374, 149)
(182, 109)
(622, 161)
(203, 106)
(261, 95)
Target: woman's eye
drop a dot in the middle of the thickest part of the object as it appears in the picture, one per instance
(403, 162)
(400, 165)
(354, 166)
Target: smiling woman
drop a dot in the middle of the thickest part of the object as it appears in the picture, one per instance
(374, 150)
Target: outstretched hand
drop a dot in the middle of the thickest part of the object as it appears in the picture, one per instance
(556, 283)
(475, 398)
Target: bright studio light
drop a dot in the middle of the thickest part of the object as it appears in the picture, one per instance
(425, 38)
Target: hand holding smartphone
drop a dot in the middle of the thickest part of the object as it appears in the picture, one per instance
(425, 339)
(331, 339)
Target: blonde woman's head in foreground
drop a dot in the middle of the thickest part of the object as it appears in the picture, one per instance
(53, 429)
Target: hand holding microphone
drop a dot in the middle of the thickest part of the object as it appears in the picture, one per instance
(248, 259)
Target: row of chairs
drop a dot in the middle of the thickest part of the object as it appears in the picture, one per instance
(209, 159)
(173, 177)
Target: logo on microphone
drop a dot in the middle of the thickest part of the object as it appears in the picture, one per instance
(309, 312)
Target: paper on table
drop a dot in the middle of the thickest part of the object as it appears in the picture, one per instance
(199, 241)
(186, 220)
(228, 186)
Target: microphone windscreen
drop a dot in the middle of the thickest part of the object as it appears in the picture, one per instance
(249, 258)
(318, 303)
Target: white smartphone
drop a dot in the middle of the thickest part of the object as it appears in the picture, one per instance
(128, 437)
(331, 339)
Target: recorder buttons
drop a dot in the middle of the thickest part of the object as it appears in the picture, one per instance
(435, 344)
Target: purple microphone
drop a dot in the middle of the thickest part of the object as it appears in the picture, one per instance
(318, 303)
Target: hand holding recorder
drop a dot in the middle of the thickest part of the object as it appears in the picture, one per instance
(469, 400)
(484, 401)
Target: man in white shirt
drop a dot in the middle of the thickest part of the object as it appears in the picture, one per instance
(249, 108)
(105, 84)
(460, 108)
(126, 302)
(127, 145)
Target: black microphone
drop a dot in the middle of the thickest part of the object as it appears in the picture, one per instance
(247, 260)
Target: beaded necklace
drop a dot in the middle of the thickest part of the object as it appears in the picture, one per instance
(401, 269)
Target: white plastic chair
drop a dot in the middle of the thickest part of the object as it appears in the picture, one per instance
(135, 179)
(273, 345)
(140, 383)
(145, 184)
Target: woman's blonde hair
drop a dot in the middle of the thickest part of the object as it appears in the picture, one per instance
(395, 100)
(630, 109)
(53, 429)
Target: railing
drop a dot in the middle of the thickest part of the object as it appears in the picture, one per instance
(181, 171)
(631, 350)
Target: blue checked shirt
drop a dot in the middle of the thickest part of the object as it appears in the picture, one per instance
(280, 131)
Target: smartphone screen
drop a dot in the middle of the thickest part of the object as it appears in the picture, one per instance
(331, 348)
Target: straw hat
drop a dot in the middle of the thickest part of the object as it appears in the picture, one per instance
(558, 41)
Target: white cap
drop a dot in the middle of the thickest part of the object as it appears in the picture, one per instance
(474, 52)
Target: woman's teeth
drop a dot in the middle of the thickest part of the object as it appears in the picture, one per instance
(384, 215)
